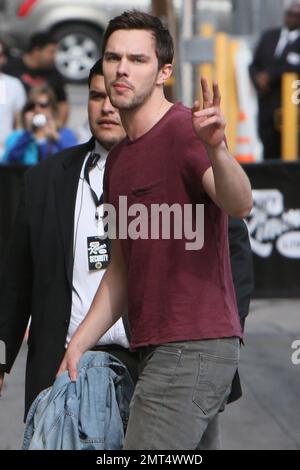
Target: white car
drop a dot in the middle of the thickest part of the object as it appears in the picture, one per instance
(77, 25)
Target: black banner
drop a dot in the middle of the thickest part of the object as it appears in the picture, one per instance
(274, 228)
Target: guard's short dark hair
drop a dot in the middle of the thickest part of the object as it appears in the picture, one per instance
(40, 40)
(138, 20)
(95, 70)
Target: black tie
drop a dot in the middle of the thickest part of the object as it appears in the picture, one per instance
(90, 164)
(92, 160)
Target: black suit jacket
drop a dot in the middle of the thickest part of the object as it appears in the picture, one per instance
(243, 279)
(264, 60)
(241, 265)
(36, 278)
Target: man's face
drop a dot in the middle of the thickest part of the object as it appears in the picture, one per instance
(130, 67)
(41, 105)
(46, 56)
(104, 119)
(292, 17)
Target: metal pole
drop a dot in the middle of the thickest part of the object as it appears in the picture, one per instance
(186, 69)
(166, 12)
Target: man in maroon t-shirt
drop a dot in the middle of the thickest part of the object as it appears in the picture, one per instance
(180, 297)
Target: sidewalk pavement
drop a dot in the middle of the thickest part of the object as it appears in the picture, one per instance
(267, 416)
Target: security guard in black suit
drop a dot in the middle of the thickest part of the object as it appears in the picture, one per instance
(277, 52)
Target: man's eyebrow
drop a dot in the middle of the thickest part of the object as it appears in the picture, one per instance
(139, 56)
(97, 93)
(111, 53)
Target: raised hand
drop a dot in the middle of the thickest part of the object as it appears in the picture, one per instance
(51, 129)
(208, 122)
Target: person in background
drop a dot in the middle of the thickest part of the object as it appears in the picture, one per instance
(36, 67)
(12, 100)
(41, 135)
(277, 52)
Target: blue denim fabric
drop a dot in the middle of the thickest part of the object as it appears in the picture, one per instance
(89, 414)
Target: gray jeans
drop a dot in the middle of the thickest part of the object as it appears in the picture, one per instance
(180, 390)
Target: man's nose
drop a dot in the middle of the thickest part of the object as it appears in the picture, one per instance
(123, 67)
(107, 107)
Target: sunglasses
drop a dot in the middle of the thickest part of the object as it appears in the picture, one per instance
(40, 104)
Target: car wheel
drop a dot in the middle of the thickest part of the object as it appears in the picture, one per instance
(79, 47)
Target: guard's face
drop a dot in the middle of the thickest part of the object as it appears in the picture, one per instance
(104, 118)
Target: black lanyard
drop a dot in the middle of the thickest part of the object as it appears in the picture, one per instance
(90, 164)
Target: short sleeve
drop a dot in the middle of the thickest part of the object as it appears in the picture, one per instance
(191, 156)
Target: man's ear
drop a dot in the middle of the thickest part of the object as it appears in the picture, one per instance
(164, 73)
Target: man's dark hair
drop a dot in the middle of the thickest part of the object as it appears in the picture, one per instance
(95, 70)
(139, 20)
(40, 40)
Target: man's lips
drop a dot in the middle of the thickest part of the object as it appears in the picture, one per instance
(121, 86)
(107, 123)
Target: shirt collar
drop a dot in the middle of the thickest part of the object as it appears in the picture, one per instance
(101, 150)
(103, 155)
(292, 35)
(98, 148)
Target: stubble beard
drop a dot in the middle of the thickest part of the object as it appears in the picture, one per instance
(136, 101)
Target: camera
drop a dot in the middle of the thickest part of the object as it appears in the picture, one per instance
(39, 120)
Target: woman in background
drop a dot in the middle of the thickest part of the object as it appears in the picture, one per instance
(42, 135)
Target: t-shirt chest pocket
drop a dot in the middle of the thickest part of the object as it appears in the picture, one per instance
(150, 193)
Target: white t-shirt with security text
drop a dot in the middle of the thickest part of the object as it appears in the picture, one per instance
(85, 283)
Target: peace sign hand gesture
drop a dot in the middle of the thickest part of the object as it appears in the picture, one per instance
(209, 123)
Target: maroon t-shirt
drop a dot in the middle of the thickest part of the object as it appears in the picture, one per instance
(173, 294)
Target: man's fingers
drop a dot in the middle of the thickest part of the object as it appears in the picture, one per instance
(207, 98)
(69, 366)
(72, 368)
(213, 120)
(73, 374)
(63, 367)
(217, 94)
(206, 112)
(60, 371)
(196, 106)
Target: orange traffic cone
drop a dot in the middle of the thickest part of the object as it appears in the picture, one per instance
(244, 147)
